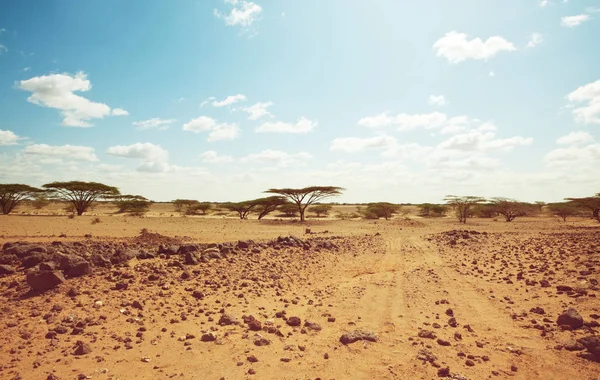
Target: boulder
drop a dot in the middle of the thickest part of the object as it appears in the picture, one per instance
(357, 335)
(227, 319)
(169, 249)
(123, 255)
(187, 248)
(570, 318)
(591, 343)
(22, 250)
(42, 281)
(6, 270)
(74, 266)
(33, 260)
(192, 258)
(82, 348)
(100, 260)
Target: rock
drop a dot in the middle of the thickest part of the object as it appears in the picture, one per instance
(293, 321)
(591, 343)
(168, 249)
(442, 342)
(42, 281)
(100, 260)
(227, 319)
(574, 346)
(537, 310)
(212, 253)
(469, 363)
(192, 258)
(254, 325)
(182, 250)
(426, 334)
(252, 359)
(357, 335)
(33, 260)
(544, 284)
(22, 250)
(79, 269)
(443, 372)
(82, 348)
(564, 288)
(570, 318)
(209, 337)
(6, 270)
(123, 255)
(261, 341)
(197, 294)
(312, 326)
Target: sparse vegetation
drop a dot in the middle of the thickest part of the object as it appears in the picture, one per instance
(463, 205)
(510, 208)
(432, 210)
(132, 204)
(307, 196)
(381, 210)
(320, 210)
(198, 208)
(11, 194)
(565, 210)
(288, 209)
(81, 194)
(590, 203)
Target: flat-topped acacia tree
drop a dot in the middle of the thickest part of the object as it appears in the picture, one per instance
(307, 196)
(81, 194)
(591, 203)
(11, 194)
(462, 205)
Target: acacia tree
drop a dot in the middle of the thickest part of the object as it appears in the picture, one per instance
(11, 194)
(321, 210)
(268, 205)
(199, 207)
(133, 204)
(242, 208)
(462, 205)
(81, 194)
(591, 203)
(382, 210)
(510, 208)
(564, 210)
(307, 196)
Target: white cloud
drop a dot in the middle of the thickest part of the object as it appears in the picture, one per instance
(492, 74)
(243, 13)
(73, 152)
(575, 138)
(544, 3)
(456, 47)
(258, 110)
(145, 151)
(207, 101)
(200, 124)
(119, 112)
(218, 131)
(58, 91)
(3, 49)
(8, 138)
(478, 140)
(277, 157)
(231, 99)
(357, 144)
(574, 156)
(536, 39)
(303, 125)
(590, 94)
(573, 21)
(437, 100)
(224, 132)
(154, 123)
(408, 122)
(213, 157)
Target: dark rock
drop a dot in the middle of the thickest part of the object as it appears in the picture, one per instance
(100, 260)
(426, 334)
(168, 249)
(82, 348)
(537, 310)
(227, 319)
(570, 318)
(312, 326)
(33, 260)
(42, 281)
(260, 341)
(192, 258)
(357, 335)
(293, 321)
(574, 346)
(182, 250)
(209, 337)
(123, 255)
(443, 372)
(591, 343)
(254, 325)
(564, 288)
(6, 270)
(442, 342)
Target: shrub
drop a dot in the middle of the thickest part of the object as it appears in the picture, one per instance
(320, 210)
(288, 209)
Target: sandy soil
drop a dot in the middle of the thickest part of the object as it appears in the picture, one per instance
(407, 283)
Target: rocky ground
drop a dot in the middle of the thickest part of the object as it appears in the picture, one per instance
(397, 299)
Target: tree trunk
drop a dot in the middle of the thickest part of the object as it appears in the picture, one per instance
(302, 214)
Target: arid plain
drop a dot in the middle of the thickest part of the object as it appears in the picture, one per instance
(215, 297)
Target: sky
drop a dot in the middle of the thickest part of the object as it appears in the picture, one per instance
(220, 100)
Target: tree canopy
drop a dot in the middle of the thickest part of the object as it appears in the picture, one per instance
(320, 210)
(242, 208)
(510, 208)
(591, 203)
(307, 196)
(267, 205)
(133, 204)
(462, 205)
(11, 194)
(381, 210)
(81, 194)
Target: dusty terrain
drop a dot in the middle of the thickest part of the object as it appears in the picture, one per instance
(186, 300)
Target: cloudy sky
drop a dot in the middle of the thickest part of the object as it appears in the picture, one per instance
(402, 101)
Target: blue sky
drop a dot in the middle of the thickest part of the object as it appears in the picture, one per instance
(219, 100)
